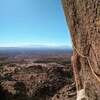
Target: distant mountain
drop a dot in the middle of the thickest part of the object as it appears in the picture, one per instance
(35, 49)
(41, 47)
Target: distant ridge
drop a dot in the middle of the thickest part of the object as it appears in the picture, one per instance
(39, 47)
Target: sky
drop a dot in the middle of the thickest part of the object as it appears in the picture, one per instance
(33, 22)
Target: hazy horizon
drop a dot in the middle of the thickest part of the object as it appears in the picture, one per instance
(39, 46)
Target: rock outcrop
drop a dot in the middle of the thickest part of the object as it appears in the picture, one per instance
(83, 17)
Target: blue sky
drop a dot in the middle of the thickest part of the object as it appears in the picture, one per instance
(32, 22)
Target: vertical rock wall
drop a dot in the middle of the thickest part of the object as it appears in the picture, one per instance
(83, 17)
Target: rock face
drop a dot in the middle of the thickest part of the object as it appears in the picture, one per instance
(68, 92)
(83, 17)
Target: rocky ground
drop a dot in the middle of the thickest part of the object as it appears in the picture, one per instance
(43, 79)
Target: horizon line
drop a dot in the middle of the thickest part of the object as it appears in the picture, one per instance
(38, 46)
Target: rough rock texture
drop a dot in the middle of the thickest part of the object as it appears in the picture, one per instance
(83, 17)
(68, 92)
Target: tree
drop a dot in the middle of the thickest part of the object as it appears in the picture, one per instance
(83, 17)
(21, 91)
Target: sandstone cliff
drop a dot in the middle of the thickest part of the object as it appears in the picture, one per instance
(83, 17)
